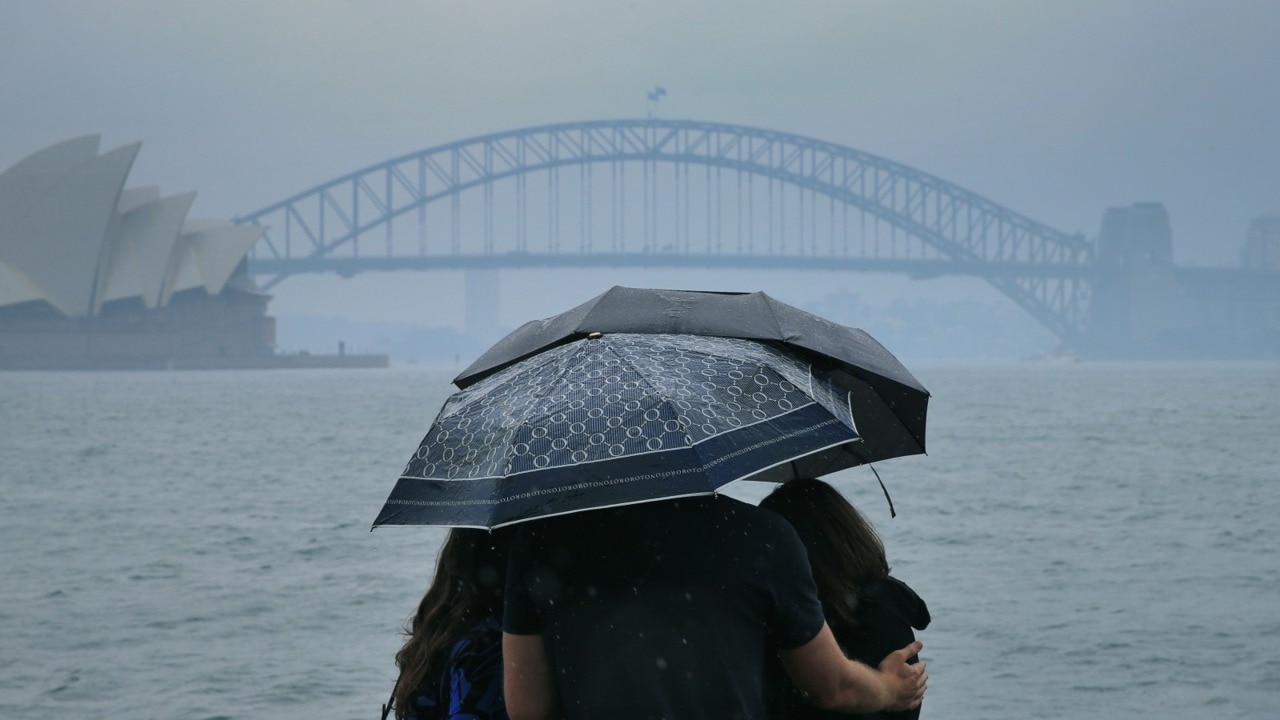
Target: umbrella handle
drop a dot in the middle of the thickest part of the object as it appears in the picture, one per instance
(883, 489)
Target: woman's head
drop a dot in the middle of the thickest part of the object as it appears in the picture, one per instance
(844, 549)
(471, 573)
(472, 569)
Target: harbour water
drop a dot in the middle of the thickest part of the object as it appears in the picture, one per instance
(1094, 540)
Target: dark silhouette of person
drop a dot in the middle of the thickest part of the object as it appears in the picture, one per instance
(451, 662)
(669, 609)
(870, 612)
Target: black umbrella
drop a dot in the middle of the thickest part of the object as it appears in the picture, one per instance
(753, 316)
(622, 418)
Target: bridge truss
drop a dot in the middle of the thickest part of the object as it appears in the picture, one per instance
(654, 193)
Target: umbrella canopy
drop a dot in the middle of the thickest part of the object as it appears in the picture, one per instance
(623, 418)
(752, 316)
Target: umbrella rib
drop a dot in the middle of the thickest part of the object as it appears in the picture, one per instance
(666, 401)
(848, 404)
(560, 374)
(773, 317)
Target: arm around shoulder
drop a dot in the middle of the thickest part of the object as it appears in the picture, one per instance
(833, 682)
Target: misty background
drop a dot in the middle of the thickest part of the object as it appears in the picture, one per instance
(1055, 110)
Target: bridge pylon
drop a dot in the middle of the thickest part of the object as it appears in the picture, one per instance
(482, 291)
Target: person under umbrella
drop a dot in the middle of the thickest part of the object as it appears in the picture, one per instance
(870, 612)
(669, 609)
(451, 661)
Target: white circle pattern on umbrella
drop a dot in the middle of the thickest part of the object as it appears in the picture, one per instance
(619, 395)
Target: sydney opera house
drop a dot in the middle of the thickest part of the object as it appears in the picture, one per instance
(98, 275)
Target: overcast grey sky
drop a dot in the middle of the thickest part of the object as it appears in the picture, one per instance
(1055, 109)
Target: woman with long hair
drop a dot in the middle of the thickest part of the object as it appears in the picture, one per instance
(451, 662)
(870, 612)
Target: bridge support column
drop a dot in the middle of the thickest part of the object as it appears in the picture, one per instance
(481, 312)
(1132, 313)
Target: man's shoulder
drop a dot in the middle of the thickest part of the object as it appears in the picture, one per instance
(718, 514)
(745, 512)
(732, 516)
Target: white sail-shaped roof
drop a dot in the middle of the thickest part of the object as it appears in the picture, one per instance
(183, 272)
(20, 185)
(59, 242)
(15, 287)
(142, 242)
(134, 197)
(30, 177)
(220, 250)
(206, 254)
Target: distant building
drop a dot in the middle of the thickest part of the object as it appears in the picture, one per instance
(1262, 244)
(97, 275)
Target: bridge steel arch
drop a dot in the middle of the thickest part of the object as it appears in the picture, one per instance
(1045, 271)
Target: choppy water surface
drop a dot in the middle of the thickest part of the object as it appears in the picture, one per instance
(1093, 540)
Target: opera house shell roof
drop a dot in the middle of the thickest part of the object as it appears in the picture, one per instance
(72, 235)
(95, 275)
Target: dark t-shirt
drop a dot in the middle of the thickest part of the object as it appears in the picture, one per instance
(662, 610)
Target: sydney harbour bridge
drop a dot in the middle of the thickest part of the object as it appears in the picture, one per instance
(656, 193)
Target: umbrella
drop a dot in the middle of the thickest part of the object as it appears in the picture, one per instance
(620, 418)
(753, 316)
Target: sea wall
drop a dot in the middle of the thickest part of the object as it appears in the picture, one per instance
(195, 331)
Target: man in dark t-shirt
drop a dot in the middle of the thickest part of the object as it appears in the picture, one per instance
(665, 610)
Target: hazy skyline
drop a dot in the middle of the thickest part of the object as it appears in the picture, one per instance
(1056, 110)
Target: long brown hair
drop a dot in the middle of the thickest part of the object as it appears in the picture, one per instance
(844, 549)
(468, 585)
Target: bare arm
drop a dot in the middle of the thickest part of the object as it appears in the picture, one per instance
(833, 682)
(528, 687)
